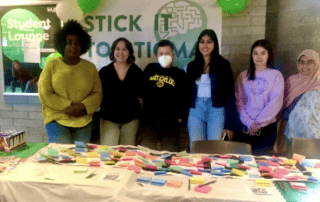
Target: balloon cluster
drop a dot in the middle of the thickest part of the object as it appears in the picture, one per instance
(75, 9)
(232, 6)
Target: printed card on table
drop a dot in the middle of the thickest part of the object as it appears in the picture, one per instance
(256, 190)
(111, 176)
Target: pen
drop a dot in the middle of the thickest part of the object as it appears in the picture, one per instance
(207, 183)
(283, 186)
(189, 185)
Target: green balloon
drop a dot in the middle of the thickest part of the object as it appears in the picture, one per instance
(88, 5)
(232, 6)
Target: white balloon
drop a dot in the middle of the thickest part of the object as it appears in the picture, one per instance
(69, 9)
(165, 60)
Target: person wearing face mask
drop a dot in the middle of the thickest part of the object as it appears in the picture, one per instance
(211, 85)
(301, 112)
(163, 101)
(70, 88)
(120, 108)
(259, 99)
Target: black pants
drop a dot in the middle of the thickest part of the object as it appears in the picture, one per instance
(165, 130)
(263, 144)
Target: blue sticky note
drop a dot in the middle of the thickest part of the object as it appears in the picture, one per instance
(314, 179)
(263, 164)
(254, 176)
(186, 173)
(274, 160)
(78, 150)
(155, 161)
(79, 144)
(246, 158)
(226, 171)
(158, 182)
(163, 156)
(307, 163)
(217, 168)
(104, 155)
(160, 172)
(144, 179)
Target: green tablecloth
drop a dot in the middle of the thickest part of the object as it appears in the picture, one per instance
(311, 195)
(25, 151)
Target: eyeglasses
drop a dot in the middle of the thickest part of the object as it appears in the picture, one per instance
(308, 63)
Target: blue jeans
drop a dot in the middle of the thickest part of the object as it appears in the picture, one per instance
(205, 122)
(58, 133)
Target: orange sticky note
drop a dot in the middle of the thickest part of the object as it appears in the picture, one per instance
(130, 153)
(152, 157)
(298, 157)
(81, 160)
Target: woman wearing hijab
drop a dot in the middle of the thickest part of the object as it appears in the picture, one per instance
(301, 114)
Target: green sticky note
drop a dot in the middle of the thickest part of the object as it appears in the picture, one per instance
(233, 165)
(142, 148)
(143, 159)
(232, 161)
(253, 165)
(183, 153)
(52, 152)
(109, 149)
(175, 168)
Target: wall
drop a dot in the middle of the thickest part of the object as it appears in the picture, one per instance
(298, 28)
(239, 31)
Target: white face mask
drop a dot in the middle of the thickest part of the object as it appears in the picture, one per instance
(165, 60)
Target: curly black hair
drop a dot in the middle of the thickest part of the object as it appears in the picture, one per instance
(69, 28)
(128, 45)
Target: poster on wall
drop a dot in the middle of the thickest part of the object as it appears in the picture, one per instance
(27, 35)
(146, 22)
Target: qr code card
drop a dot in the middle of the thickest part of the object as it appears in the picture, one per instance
(256, 190)
(111, 176)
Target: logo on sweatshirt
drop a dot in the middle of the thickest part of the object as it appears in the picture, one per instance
(259, 86)
(181, 22)
(162, 80)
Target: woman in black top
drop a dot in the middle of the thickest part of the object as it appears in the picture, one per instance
(120, 108)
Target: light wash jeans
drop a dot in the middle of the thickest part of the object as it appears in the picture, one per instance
(58, 133)
(205, 122)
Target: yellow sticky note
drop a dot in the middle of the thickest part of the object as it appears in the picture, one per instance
(118, 154)
(81, 160)
(102, 147)
(237, 172)
(196, 180)
(109, 162)
(93, 154)
(71, 152)
(290, 162)
(263, 182)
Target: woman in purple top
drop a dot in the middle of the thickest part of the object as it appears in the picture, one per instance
(259, 98)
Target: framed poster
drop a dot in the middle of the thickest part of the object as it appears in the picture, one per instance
(27, 36)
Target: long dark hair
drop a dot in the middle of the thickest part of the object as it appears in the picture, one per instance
(264, 43)
(214, 54)
(128, 45)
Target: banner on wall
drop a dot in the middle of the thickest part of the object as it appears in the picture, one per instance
(27, 35)
(146, 22)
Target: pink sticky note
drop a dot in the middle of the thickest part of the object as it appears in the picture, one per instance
(225, 156)
(277, 175)
(282, 171)
(221, 164)
(199, 165)
(245, 167)
(142, 154)
(195, 172)
(134, 168)
(273, 163)
(127, 159)
(170, 162)
(265, 169)
(206, 158)
(184, 161)
(317, 165)
(203, 189)
(152, 167)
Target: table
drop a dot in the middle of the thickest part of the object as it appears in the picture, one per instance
(27, 183)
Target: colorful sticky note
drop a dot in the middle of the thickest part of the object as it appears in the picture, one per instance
(203, 189)
(237, 172)
(196, 180)
(263, 182)
(298, 157)
(79, 150)
(130, 153)
(158, 182)
(109, 162)
(307, 163)
(174, 183)
(93, 154)
(144, 179)
(79, 144)
(134, 168)
(290, 162)
(102, 147)
(81, 160)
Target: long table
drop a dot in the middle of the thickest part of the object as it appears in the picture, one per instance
(32, 181)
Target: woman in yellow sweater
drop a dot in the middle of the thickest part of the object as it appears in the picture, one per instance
(70, 88)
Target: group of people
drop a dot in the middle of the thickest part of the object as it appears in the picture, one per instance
(155, 102)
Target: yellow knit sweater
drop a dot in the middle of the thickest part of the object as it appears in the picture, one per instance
(60, 84)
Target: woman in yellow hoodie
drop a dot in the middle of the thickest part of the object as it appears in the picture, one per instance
(70, 88)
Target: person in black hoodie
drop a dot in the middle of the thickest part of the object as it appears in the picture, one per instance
(164, 103)
(211, 89)
(121, 87)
